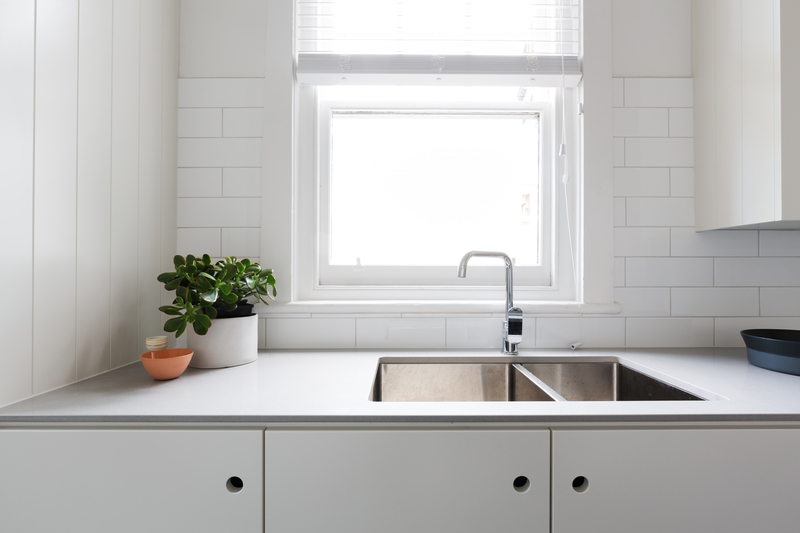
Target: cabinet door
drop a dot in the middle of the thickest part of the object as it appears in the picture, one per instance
(727, 480)
(406, 481)
(130, 481)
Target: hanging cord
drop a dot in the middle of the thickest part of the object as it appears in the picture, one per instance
(562, 151)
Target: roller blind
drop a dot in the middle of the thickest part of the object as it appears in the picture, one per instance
(437, 41)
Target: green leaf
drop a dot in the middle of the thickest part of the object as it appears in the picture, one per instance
(191, 269)
(178, 301)
(252, 268)
(172, 285)
(211, 312)
(182, 293)
(170, 310)
(210, 296)
(199, 328)
(178, 260)
(250, 282)
(190, 259)
(166, 276)
(229, 298)
(246, 262)
(207, 275)
(204, 320)
(228, 307)
(206, 259)
(225, 288)
(173, 324)
(271, 279)
(180, 330)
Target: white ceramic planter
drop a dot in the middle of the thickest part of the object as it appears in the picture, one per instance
(229, 342)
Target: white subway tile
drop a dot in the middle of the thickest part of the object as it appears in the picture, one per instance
(243, 122)
(618, 85)
(681, 122)
(681, 182)
(619, 271)
(641, 182)
(669, 332)
(241, 182)
(199, 182)
(221, 92)
(715, 301)
(198, 241)
(592, 332)
(643, 242)
(660, 212)
(643, 301)
(779, 243)
(400, 333)
(200, 122)
(619, 211)
(219, 212)
(669, 272)
(658, 92)
(241, 242)
(619, 152)
(665, 152)
(305, 333)
(219, 152)
(480, 332)
(757, 272)
(685, 242)
(727, 330)
(640, 122)
(784, 301)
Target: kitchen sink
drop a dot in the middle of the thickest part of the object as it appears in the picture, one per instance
(437, 380)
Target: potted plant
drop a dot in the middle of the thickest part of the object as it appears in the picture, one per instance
(212, 297)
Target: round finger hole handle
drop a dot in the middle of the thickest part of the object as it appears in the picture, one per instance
(522, 484)
(580, 484)
(234, 484)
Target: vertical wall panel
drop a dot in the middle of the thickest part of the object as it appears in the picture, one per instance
(125, 183)
(149, 255)
(94, 187)
(790, 104)
(16, 200)
(703, 66)
(55, 189)
(758, 116)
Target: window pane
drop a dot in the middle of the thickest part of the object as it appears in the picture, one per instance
(421, 189)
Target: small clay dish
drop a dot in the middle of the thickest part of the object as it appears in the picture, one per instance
(166, 364)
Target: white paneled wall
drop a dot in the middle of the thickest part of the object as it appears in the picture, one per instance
(87, 151)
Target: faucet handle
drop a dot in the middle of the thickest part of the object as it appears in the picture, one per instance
(513, 328)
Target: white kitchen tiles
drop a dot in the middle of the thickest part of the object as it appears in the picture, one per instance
(592, 332)
(727, 330)
(220, 152)
(757, 272)
(641, 122)
(199, 241)
(659, 152)
(660, 211)
(631, 242)
(669, 332)
(681, 122)
(669, 272)
(223, 39)
(641, 182)
(681, 182)
(779, 243)
(644, 301)
(619, 211)
(618, 92)
(481, 332)
(716, 301)
(783, 301)
(400, 333)
(199, 182)
(686, 242)
(219, 212)
(658, 92)
(619, 152)
(289, 333)
(241, 182)
(241, 242)
(200, 122)
(243, 122)
(221, 92)
(619, 271)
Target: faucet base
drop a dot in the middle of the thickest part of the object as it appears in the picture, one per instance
(509, 348)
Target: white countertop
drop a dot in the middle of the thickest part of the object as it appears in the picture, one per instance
(334, 386)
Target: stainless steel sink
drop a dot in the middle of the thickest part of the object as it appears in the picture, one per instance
(511, 381)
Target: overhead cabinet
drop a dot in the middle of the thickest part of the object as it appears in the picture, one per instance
(746, 69)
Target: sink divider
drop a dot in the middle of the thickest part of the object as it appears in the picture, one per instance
(539, 383)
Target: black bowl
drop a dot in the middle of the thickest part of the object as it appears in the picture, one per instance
(774, 349)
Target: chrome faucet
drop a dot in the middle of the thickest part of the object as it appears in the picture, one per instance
(512, 327)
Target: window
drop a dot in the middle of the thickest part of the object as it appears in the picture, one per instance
(407, 162)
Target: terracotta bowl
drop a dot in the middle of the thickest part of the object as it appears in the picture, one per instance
(166, 364)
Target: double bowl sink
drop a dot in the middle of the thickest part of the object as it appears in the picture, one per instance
(518, 380)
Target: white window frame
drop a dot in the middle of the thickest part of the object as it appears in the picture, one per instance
(594, 204)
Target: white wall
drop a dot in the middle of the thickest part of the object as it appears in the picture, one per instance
(87, 163)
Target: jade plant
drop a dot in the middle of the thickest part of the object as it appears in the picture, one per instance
(203, 288)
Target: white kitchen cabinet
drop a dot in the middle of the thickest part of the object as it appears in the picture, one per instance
(405, 481)
(670, 480)
(130, 481)
(746, 69)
